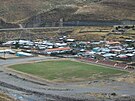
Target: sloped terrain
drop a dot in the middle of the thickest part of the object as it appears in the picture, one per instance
(111, 10)
(4, 24)
(4, 97)
(20, 10)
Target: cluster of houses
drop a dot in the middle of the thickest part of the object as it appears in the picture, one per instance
(109, 50)
(121, 51)
(8, 53)
(45, 47)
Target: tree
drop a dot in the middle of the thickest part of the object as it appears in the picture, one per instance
(17, 45)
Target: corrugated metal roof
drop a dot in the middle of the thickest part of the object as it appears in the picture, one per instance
(58, 49)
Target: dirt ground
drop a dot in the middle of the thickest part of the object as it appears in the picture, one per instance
(129, 78)
(4, 97)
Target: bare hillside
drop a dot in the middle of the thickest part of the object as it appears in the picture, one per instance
(16, 10)
(36, 11)
(4, 24)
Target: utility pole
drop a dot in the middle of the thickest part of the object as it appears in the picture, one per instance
(4, 55)
(61, 22)
(61, 25)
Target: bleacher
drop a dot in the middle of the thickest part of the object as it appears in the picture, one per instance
(106, 62)
(110, 63)
(121, 66)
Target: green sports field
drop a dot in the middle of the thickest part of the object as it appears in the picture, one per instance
(67, 71)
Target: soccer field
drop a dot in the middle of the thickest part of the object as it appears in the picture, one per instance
(67, 71)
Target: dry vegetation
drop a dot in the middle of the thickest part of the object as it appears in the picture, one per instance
(79, 33)
(4, 24)
(87, 33)
(19, 10)
(109, 10)
(129, 78)
(4, 97)
(117, 37)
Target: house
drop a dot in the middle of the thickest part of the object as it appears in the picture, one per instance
(61, 44)
(23, 54)
(112, 42)
(70, 40)
(7, 51)
(58, 50)
(8, 43)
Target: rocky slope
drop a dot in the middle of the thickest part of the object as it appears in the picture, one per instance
(41, 12)
(4, 24)
(102, 10)
(18, 10)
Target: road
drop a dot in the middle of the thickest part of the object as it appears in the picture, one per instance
(38, 28)
(26, 89)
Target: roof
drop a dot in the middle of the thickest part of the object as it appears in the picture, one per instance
(23, 53)
(70, 39)
(129, 54)
(58, 49)
(110, 43)
(109, 55)
(7, 50)
(122, 56)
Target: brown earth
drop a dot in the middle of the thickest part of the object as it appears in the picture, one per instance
(4, 97)
(4, 24)
(20, 10)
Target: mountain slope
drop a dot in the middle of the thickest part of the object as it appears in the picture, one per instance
(102, 10)
(36, 12)
(14, 10)
(4, 24)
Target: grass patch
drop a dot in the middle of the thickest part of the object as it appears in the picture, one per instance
(66, 70)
